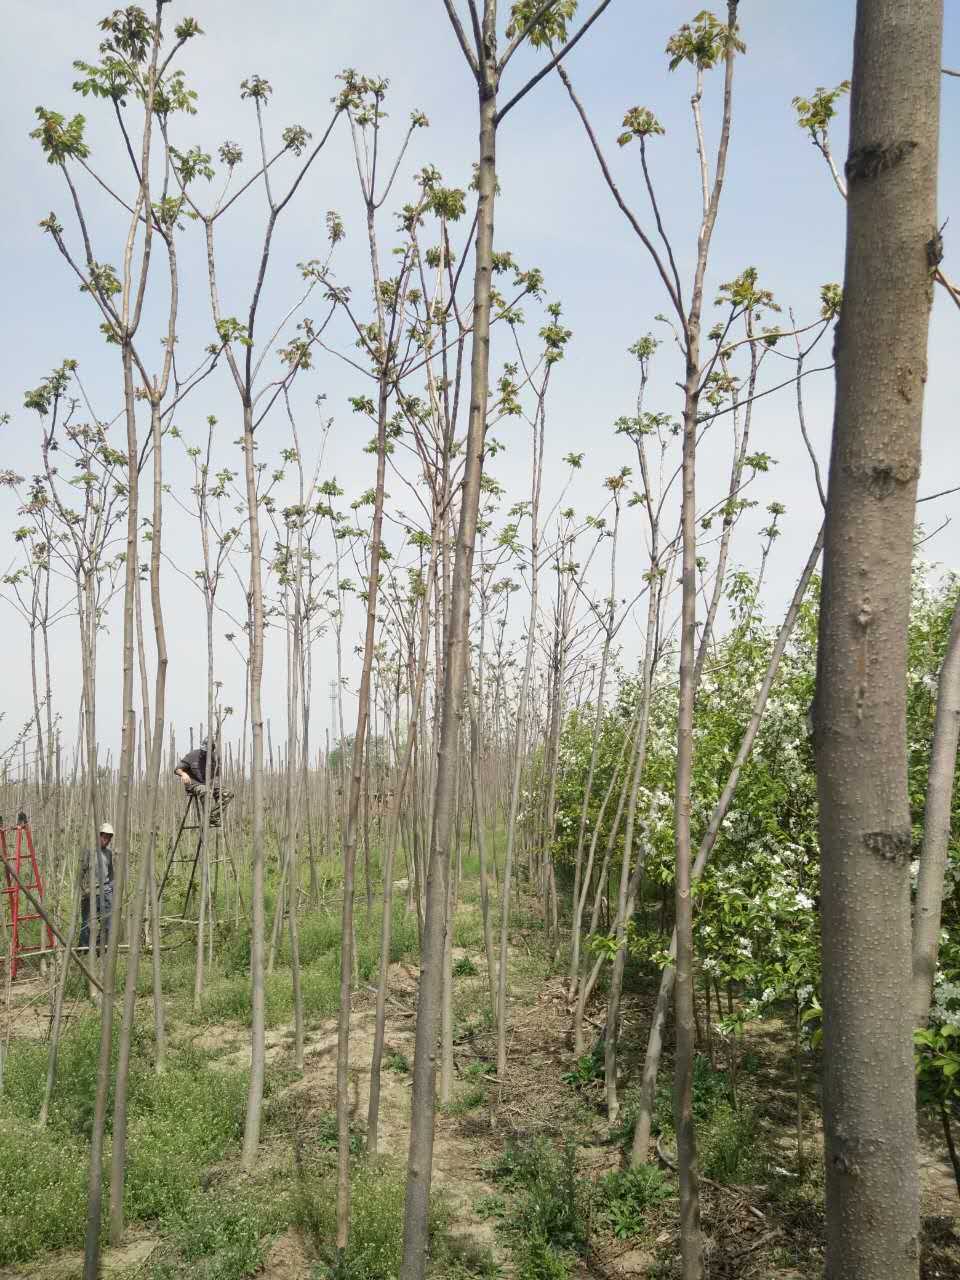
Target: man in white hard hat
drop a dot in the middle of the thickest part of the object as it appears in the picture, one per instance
(102, 861)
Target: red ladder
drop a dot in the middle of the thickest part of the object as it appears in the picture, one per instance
(23, 862)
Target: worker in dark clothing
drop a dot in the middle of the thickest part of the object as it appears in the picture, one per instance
(198, 775)
(103, 870)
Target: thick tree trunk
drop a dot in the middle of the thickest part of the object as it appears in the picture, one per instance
(860, 716)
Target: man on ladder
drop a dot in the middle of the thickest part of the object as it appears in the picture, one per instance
(199, 771)
(102, 861)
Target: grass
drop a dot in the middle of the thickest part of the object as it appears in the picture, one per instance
(226, 997)
(467, 1100)
(375, 1246)
(179, 1123)
(220, 1236)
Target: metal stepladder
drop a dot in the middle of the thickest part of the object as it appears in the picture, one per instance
(192, 810)
(25, 876)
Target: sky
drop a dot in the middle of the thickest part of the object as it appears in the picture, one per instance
(779, 213)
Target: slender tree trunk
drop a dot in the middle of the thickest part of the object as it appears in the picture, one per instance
(520, 742)
(860, 714)
(118, 1151)
(629, 880)
(393, 831)
(936, 827)
(251, 1132)
(420, 1160)
(648, 1086)
(353, 811)
(95, 1185)
(691, 1240)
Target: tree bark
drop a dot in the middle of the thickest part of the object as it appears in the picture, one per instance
(860, 713)
(251, 1131)
(420, 1159)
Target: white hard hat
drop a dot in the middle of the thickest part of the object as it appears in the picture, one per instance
(106, 829)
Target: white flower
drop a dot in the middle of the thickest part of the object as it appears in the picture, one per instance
(804, 902)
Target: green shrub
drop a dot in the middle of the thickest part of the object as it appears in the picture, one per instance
(587, 1069)
(466, 1101)
(538, 1259)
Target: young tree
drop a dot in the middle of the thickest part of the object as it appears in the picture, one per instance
(487, 67)
(257, 397)
(860, 715)
(936, 826)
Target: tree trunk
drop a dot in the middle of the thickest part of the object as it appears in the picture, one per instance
(118, 1152)
(251, 1132)
(393, 831)
(860, 715)
(420, 1159)
(91, 1264)
(691, 1240)
(936, 827)
(648, 1086)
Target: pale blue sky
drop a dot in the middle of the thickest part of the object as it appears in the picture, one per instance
(780, 213)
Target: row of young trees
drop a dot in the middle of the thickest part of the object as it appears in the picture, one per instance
(637, 722)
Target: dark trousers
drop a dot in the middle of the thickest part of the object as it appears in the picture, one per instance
(104, 912)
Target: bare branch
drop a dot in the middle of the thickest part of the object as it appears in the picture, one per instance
(461, 35)
(624, 208)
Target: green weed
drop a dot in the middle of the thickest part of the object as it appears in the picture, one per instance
(625, 1198)
(587, 1069)
(547, 1223)
(44, 1178)
(469, 1100)
(179, 1123)
(375, 1247)
(731, 1150)
(219, 1236)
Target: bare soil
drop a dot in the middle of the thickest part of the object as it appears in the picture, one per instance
(751, 1233)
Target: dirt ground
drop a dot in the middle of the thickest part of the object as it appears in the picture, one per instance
(746, 1231)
